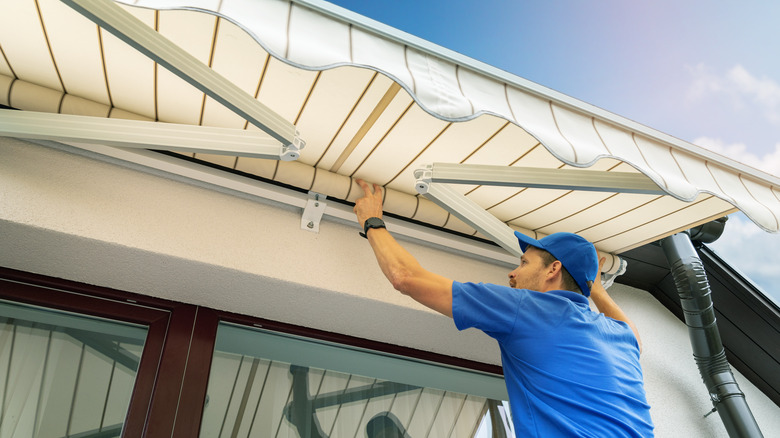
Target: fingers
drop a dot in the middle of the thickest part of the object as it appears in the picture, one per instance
(377, 189)
(370, 204)
(363, 185)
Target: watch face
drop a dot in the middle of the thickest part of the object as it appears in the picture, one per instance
(374, 222)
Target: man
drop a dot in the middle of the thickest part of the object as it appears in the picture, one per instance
(569, 371)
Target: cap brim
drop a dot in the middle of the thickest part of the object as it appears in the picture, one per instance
(525, 241)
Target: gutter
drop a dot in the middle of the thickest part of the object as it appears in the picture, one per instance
(693, 288)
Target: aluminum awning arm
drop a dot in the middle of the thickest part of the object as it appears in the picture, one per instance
(432, 180)
(111, 17)
(472, 214)
(533, 177)
(141, 134)
(502, 234)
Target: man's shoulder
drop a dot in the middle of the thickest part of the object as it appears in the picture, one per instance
(488, 307)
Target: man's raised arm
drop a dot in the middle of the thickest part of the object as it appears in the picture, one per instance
(400, 267)
(609, 307)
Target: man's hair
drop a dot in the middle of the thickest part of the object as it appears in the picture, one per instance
(568, 281)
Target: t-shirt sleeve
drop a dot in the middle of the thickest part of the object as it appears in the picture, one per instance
(488, 307)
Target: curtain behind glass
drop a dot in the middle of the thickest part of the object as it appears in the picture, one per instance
(63, 374)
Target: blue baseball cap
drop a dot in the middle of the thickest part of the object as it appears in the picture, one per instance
(576, 254)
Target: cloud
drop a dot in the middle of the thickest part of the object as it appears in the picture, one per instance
(769, 163)
(704, 82)
(741, 88)
(762, 91)
(746, 247)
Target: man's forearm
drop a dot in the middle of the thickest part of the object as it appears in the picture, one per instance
(398, 265)
(407, 275)
(394, 261)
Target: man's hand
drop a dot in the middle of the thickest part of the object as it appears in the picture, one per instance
(370, 205)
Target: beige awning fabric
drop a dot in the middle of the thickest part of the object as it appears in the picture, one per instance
(375, 103)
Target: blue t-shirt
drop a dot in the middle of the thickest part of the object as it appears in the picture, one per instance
(569, 371)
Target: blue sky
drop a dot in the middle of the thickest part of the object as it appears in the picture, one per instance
(707, 72)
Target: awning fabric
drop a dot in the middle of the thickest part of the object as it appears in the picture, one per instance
(375, 103)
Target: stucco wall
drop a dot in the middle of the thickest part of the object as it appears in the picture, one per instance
(674, 388)
(73, 217)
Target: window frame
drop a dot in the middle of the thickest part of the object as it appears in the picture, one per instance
(157, 315)
(173, 374)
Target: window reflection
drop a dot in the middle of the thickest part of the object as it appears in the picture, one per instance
(65, 374)
(251, 396)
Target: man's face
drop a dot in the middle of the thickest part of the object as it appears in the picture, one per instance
(530, 273)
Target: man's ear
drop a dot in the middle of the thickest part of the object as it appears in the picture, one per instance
(555, 270)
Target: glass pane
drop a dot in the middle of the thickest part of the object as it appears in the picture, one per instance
(64, 374)
(265, 384)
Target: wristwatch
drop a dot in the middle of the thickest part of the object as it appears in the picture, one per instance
(372, 222)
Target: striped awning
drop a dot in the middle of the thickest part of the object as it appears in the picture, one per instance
(372, 102)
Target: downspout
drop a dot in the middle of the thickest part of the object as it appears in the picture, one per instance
(693, 288)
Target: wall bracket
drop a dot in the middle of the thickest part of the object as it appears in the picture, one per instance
(312, 212)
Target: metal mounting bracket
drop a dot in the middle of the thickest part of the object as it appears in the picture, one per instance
(312, 213)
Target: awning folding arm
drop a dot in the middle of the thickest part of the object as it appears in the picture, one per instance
(141, 134)
(475, 216)
(532, 177)
(432, 181)
(111, 17)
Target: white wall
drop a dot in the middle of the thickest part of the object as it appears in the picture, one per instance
(73, 217)
(674, 387)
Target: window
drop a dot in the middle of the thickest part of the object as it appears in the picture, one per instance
(267, 384)
(65, 374)
(85, 361)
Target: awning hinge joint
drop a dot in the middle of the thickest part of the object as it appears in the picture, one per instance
(292, 151)
(423, 177)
